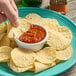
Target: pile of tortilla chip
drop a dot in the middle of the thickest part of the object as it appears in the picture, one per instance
(20, 60)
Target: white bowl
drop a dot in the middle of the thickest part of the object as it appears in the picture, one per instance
(35, 46)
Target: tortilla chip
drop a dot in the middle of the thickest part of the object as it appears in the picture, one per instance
(57, 61)
(5, 53)
(22, 57)
(13, 44)
(46, 55)
(64, 54)
(22, 27)
(18, 69)
(9, 26)
(2, 35)
(3, 28)
(57, 40)
(34, 18)
(50, 23)
(5, 41)
(66, 32)
(41, 67)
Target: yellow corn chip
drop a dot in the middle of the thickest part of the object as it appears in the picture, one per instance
(64, 54)
(5, 41)
(2, 35)
(50, 23)
(18, 69)
(46, 55)
(57, 61)
(9, 26)
(22, 27)
(34, 18)
(57, 40)
(66, 32)
(5, 53)
(3, 28)
(22, 57)
(41, 67)
(13, 44)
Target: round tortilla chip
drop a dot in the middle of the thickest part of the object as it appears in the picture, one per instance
(57, 40)
(2, 35)
(18, 69)
(34, 18)
(64, 54)
(46, 55)
(66, 32)
(5, 41)
(50, 23)
(9, 26)
(3, 28)
(23, 26)
(22, 57)
(13, 44)
(41, 67)
(57, 61)
(5, 53)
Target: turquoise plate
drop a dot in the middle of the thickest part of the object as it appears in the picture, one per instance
(63, 66)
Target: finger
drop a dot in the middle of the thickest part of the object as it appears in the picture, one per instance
(14, 5)
(2, 18)
(10, 13)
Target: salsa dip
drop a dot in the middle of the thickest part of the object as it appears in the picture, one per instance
(34, 38)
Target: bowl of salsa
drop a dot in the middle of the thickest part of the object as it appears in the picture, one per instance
(34, 38)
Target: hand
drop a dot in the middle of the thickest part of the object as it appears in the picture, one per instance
(8, 10)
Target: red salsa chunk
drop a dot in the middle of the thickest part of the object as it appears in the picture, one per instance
(33, 35)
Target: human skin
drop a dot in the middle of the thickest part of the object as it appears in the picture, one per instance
(8, 10)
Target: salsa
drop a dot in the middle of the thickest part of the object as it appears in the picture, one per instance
(33, 35)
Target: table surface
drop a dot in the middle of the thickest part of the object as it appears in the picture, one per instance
(71, 13)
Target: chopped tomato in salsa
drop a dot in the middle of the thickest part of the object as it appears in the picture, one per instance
(33, 35)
